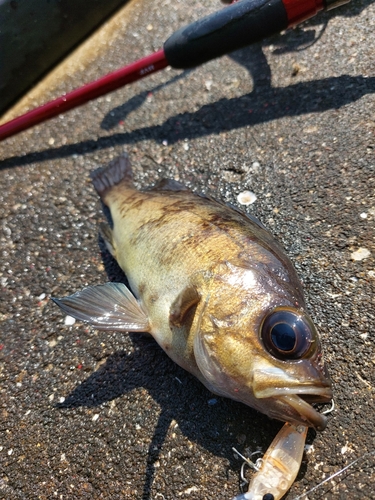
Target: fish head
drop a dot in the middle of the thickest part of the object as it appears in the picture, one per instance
(290, 373)
(264, 350)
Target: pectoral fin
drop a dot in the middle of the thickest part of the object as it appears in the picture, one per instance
(106, 307)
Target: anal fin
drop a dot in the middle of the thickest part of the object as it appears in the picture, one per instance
(106, 307)
(107, 235)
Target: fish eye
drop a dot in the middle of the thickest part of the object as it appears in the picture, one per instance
(288, 334)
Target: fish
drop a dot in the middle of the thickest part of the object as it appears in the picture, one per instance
(214, 289)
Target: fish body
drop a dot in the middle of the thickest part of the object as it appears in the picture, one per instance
(214, 289)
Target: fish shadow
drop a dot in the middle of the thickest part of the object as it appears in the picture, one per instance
(216, 424)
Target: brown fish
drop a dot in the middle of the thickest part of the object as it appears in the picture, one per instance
(214, 289)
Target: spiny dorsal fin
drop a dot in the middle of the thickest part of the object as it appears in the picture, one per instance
(185, 300)
(106, 307)
(169, 185)
(234, 208)
(119, 170)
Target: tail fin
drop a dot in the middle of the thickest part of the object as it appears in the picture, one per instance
(119, 170)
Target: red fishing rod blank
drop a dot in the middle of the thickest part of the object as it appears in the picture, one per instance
(92, 90)
(236, 26)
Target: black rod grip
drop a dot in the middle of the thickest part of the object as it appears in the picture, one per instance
(236, 26)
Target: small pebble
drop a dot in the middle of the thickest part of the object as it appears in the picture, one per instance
(363, 215)
(188, 491)
(360, 254)
(69, 320)
(208, 84)
(246, 198)
(212, 401)
(95, 417)
(344, 449)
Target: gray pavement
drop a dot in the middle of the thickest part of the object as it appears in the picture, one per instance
(86, 414)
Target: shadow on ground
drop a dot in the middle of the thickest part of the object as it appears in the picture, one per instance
(226, 114)
(251, 58)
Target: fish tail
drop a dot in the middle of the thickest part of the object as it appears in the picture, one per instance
(116, 172)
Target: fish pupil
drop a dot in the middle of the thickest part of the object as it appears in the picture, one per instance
(283, 337)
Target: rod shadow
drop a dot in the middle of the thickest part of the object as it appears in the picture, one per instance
(226, 114)
(264, 104)
(252, 58)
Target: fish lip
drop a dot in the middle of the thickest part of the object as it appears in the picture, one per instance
(309, 392)
(306, 411)
(298, 401)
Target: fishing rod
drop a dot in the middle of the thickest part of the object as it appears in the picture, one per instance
(233, 27)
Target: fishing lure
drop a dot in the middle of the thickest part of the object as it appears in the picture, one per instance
(279, 466)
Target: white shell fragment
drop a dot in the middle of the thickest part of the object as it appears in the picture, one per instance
(69, 321)
(246, 198)
(360, 254)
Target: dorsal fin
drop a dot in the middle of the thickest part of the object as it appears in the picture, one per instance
(119, 170)
(249, 216)
(169, 185)
(235, 209)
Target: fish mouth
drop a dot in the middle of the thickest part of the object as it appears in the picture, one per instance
(290, 397)
(307, 414)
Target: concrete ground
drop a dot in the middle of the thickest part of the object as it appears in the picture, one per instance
(108, 416)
